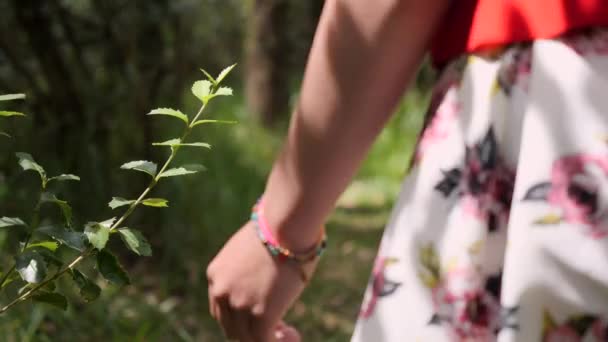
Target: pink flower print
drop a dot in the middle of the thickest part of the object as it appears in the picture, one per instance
(380, 286)
(562, 333)
(577, 183)
(462, 302)
(442, 122)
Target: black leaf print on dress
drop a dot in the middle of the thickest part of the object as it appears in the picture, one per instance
(484, 183)
(450, 182)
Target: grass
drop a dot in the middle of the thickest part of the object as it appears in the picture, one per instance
(168, 300)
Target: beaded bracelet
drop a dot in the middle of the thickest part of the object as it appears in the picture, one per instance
(275, 249)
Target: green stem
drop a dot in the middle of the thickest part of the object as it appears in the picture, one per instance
(89, 250)
(33, 225)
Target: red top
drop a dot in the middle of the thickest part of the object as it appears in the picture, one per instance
(474, 25)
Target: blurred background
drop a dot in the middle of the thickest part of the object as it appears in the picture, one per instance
(92, 69)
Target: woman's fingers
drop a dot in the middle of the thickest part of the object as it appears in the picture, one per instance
(226, 319)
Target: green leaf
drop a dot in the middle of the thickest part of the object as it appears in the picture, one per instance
(9, 97)
(5, 134)
(135, 241)
(201, 122)
(196, 144)
(52, 298)
(74, 240)
(10, 113)
(50, 245)
(155, 202)
(11, 222)
(209, 77)
(170, 112)
(110, 269)
(64, 206)
(201, 89)
(223, 91)
(64, 177)
(177, 142)
(141, 165)
(89, 291)
(171, 142)
(28, 163)
(178, 171)
(117, 202)
(97, 234)
(31, 266)
(224, 73)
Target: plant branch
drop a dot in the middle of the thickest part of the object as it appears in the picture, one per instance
(114, 226)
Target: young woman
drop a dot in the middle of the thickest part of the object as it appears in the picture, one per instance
(501, 229)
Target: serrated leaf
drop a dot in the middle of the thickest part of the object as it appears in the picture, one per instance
(201, 122)
(11, 222)
(209, 77)
(97, 234)
(135, 241)
(50, 245)
(194, 167)
(155, 202)
(170, 112)
(224, 73)
(223, 91)
(31, 266)
(117, 202)
(52, 298)
(64, 177)
(10, 113)
(178, 171)
(171, 142)
(64, 206)
(9, 97)
(196, 144)
(141, 165)
(74, 240)
(89, 291)
(27, 162)
(201, 89)
(110, 269)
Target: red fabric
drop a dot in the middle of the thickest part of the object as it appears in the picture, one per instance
(474, 25)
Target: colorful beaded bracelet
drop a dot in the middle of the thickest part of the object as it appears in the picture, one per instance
(273, 246)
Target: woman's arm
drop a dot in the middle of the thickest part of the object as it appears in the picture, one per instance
(363, 56)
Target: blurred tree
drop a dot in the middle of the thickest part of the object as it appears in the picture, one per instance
(268, 51)
(93, 68)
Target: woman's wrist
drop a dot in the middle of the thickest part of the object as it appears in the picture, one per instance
(292, 226)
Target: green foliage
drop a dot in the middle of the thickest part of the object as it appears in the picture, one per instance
(111, 270)
(135, 241)
(39, 262)
(52, 298)
(170, 112)
(141, 165)
(89, 291)
(11, 222)
(31, 266)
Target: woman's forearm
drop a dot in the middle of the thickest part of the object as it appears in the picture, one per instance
(363, 56)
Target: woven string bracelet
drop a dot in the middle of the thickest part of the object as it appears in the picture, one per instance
(274, 247)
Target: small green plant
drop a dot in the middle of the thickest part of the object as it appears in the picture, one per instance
(7, 113)
(38, 263)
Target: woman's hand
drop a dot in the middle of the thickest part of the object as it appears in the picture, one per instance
(249, 291)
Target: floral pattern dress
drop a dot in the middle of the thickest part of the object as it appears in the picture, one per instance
(500, 232)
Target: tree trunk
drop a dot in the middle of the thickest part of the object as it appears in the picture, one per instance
(267, 69)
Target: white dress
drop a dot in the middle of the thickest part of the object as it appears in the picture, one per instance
(500, 232)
